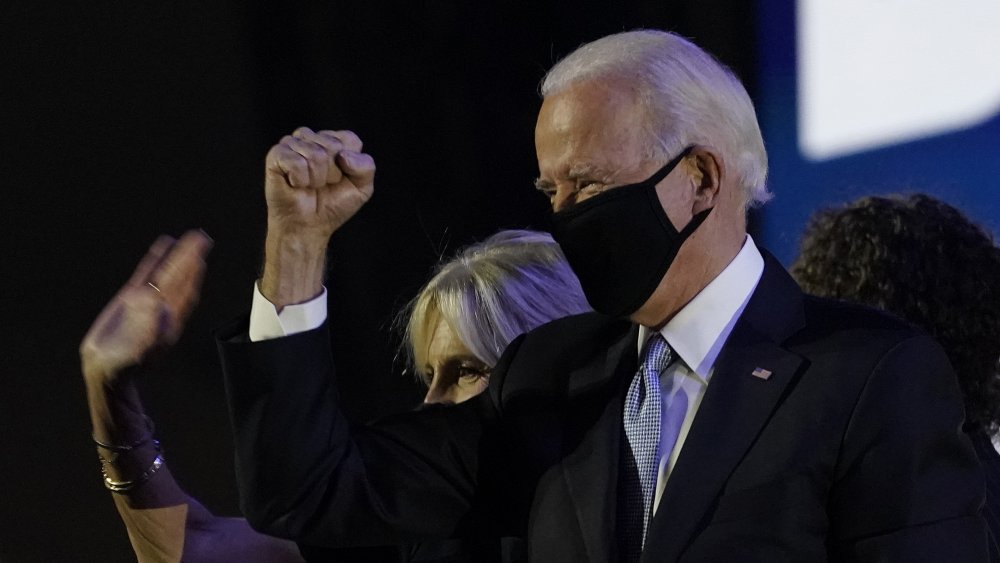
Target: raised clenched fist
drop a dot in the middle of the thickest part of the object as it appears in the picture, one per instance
(316, 181)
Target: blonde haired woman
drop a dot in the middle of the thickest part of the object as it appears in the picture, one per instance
(479, 301)
(456, 329)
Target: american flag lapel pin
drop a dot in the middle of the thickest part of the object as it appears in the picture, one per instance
(761, 373)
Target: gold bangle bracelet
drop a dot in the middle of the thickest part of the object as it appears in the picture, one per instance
(121, 487)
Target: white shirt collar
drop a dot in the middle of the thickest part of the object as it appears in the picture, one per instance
(698, 331)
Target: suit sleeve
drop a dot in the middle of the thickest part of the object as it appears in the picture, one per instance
(908, 484)
(304, 473)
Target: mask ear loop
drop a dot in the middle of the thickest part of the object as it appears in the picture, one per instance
(694, 223)
(653, 198)
(667, 168)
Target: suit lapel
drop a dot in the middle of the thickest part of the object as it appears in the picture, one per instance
(591, 468)
(734, 410)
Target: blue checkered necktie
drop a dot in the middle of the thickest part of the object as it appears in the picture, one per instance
(640, 461)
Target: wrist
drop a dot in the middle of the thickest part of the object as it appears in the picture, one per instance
(97, 376)
(126, 468)
(110, 372)
(294, 266)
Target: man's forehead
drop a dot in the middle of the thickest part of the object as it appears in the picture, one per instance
(586, 102)
(588, 129)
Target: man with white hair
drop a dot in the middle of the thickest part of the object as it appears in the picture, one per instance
(709, 412)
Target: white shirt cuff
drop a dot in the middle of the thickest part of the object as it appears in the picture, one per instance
(266, 323)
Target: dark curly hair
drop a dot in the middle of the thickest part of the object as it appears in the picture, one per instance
(923, 260)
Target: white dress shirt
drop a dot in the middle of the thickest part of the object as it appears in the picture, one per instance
(696, 334)
(267, 323)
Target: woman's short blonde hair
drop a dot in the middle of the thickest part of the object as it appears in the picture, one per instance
(493, 291)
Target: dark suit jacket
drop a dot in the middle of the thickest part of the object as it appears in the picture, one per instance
(850, 451)
(500, 550)
(991, 468)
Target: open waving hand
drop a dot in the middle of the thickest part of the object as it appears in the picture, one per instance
(146, 316)
(149, 311)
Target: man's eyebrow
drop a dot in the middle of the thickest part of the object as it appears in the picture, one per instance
(588, 171)
(578, 170)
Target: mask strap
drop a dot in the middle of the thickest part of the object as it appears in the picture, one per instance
(694, 223)
(667, 168)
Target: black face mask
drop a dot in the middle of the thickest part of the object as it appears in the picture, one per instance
(620, 243)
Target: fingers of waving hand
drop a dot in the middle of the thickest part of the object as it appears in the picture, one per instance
(178, 278)
(160, 248)
(109, 317)
(130, 324)
(150, 310)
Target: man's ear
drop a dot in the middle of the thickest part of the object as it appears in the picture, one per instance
(706, 168)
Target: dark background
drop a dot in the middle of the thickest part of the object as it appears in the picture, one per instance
(125, 120)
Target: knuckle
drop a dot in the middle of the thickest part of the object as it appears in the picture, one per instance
(294, 163)
(353, 141)
(315, 152)
(275, 152)
(331, 141)
(347, 134)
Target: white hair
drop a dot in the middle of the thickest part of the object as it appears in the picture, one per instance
(689, 98)
(492, 292)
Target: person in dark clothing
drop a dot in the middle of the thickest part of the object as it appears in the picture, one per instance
(925, 261)
(709, 410)
(456, 328)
